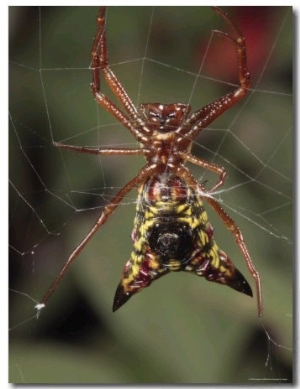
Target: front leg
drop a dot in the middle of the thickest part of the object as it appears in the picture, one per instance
(206, 115)
(100, 64)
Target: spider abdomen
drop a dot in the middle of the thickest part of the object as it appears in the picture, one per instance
(172, 233)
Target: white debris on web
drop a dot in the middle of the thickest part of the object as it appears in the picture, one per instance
(39, 307)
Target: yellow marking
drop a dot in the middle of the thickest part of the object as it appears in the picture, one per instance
(154, 264)
(215, 259)
(174, 265)
(204, 217)
(183, 208)
(139, 244)
(193, 222)
(203, 237)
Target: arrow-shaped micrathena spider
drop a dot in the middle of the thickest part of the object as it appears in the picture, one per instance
(171, 228)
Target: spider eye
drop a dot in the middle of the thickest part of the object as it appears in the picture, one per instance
(172, 115)
(154, 114)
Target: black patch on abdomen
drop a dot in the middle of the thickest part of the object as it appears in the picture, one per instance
(171, 241)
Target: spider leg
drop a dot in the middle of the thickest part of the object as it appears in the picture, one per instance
(234, 229)
(100, 65)
(206, 115)
(97, 151)
(100, 45)
(207, 165)
(231, 226)
(144, 172)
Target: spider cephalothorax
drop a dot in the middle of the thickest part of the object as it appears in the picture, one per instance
(164, 117)
(171, 228)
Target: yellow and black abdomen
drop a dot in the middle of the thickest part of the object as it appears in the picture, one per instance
(172, 233)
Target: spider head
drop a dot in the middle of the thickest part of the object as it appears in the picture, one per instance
(165, 117)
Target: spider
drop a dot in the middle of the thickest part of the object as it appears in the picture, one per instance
(171, 228)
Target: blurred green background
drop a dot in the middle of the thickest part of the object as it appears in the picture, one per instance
(182, 329)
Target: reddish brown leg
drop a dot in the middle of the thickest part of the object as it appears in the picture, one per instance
(100, 62)
(100, 65)
(97, 151)
(207, 165)
(206, 115)
(234, 229)
(100, 221)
